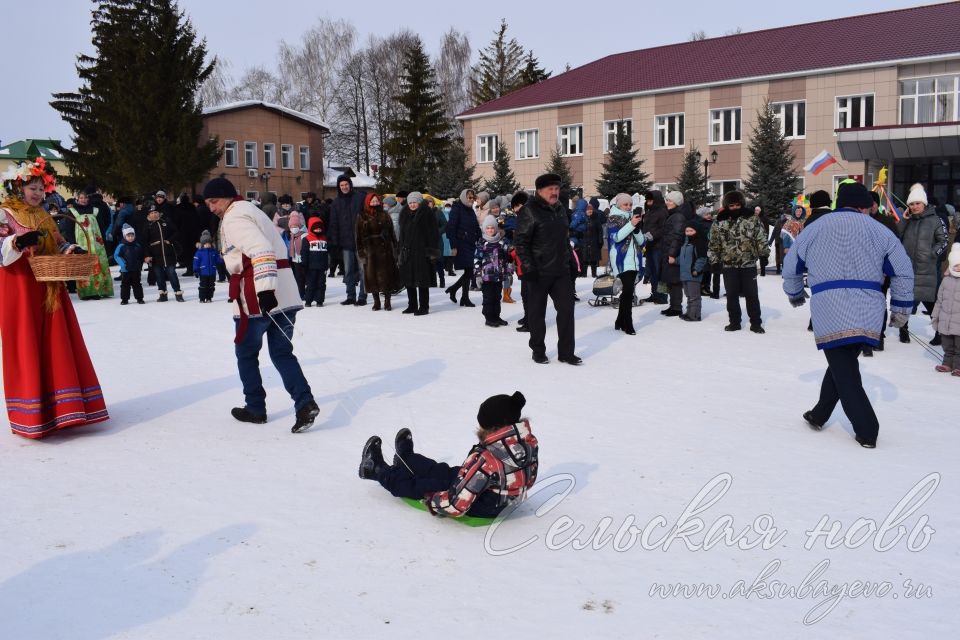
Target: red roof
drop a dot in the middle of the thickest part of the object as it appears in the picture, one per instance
(859, 40)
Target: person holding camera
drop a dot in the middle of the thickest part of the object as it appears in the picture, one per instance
(625, 240)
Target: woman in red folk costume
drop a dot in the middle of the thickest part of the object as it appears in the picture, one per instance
(48, 380)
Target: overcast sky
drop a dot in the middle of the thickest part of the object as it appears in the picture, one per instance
(41, 45)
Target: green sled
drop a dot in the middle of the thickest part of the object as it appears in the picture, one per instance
(470, 521)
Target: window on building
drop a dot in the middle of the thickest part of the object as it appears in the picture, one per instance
(230, 153)
(570, 139)
(792, 117)
(304, 157)
(854, 112)
(720, 187)
(252, 195)
(269, 155)
(924, 100)
(664, 187)
(669, 131)
(250, 154)
(487, 148)
(610, 132)
(286, 156)
(528, 144)
(724, 125)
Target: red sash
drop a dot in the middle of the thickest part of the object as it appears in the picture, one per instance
(241, 284)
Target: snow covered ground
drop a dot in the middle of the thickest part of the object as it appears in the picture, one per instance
(174, 521)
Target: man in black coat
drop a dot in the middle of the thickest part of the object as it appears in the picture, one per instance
(542, 241)
(670, 244)
(654, 219)
(344, 211)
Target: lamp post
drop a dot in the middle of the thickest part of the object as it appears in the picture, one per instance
(706, 167)
(265, 176)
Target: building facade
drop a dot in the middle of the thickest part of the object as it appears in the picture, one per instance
(31, 149)
(897, 76)
(267, 148)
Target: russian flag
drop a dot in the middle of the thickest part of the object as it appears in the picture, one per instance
(821, 162)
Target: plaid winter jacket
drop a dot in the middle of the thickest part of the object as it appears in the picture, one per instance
(497, 473)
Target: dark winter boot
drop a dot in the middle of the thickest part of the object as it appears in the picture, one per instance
(245, 415)
(808, 416)
(163, 297)
(305, 417)
(411, 300)
(178, 295)
(424, 308)
(376, 302)
(904, 335)
(936, 340)
(452, 293)
(386, 302)
(371, 460)
(403, 443)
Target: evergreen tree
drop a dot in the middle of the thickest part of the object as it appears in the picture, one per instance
(692, 182)
(772, 179)
(622, 171)
(498, 71)
(503, 181)
(454, 174)
(532, 72)
(137, 115)
(414, 176)
(420, 129)
(558, 165)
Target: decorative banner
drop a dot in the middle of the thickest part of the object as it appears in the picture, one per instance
(821, 162)
(880, 187)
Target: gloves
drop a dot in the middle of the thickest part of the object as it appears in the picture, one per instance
(77, 251)
(530, 276)
(29, 239)
(899, 320)
(268, 301)
(648, 236)
(799, 300)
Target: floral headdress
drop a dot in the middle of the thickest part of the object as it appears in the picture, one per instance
(21, 173)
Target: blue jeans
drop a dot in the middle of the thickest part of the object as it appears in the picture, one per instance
(352, 273)
(279, 332)
(163, 274)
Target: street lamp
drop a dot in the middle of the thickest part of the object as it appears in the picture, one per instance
(265, 176)
(706, 167)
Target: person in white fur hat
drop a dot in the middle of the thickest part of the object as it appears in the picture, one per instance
(946, 314)
(924, 236)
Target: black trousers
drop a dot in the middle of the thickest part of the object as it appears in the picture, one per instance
(492, 293)
(463, 282)
(424, 295)
(842, 383)
(130, 280)
(737, 280)
(423, 476)
(625, 310)
(208, 285)
(715, 286)
(560, 290)
(676, 296)
(315, 286)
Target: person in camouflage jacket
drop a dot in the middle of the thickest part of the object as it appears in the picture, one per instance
(737, 242)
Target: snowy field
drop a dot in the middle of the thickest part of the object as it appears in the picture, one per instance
(173, 521)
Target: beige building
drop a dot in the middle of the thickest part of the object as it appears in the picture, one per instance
(871, 90)
(267, 148)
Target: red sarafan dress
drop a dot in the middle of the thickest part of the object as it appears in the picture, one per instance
(48, 379)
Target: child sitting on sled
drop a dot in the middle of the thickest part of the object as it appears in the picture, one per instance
(497, 472)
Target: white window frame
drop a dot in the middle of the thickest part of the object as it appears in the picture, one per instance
(849, 110)
(228, 147)
(563, 137)
(487, 152)
(250, 151)
(251, 195)
(610, 132)
(304, 157)
(523, 137)
(916, 95)
(286, 156)
(269, 155)
(665, 187)
(781, 117)
(716, 186)
(665, 128)
(718, 119)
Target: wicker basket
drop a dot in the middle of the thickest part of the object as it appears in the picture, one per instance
(63, 267)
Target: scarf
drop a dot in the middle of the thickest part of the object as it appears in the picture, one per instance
(36, 219)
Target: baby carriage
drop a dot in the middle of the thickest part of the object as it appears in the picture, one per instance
(606, 291)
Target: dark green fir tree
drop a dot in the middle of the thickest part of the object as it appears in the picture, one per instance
(558, 165)
(532, 72)
(772, 178)
(623, 169)
(137, 115)
(503, 181)
(454, 174)
(498, 71)
(692, 182)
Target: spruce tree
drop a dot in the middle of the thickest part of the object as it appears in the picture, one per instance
(622, 171)
(692, 182)
(498, 71)
(771, 182)
(558, 165)
(137, 115)
(503, 181)
(454, 174)
(532, 72)
(420, 129)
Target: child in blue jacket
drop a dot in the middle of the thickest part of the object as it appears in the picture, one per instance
(693, 260)
(205, 262)
(129, 255)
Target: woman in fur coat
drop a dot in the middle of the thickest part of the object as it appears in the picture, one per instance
(377, 250)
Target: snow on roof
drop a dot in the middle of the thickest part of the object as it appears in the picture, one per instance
(360, 179)
(245, 104)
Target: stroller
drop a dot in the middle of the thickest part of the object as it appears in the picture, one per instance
(606, 291)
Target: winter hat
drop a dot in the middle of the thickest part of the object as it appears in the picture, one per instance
(734, 197)
(205, 237)
(415, 197)
(390, 201)
(704, 211)
(675, 197)
(519, 198)
(548, 180)
(483, 198)
(623, 198)
(218, 188)
(954, 258)
(128, 231)
(819, 199)
(158, 194)
(463, 196)
(917, 194)
(501, 410)
(402, 194)
(595, 203)
(285, 199)
(853, 195)
(495, 204)
(344, 178)
(490, 221)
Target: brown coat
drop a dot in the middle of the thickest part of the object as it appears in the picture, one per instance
(377, 249)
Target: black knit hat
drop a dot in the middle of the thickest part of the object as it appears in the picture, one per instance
(819, 199)
(285, 199)
(733, 197)
(853, 195)
(548, 180)
(501, 410)
(519, 198)
(219, 188)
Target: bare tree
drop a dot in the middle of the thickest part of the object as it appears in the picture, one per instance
(310, 70)
(257, 83)
(697, 35)
(453, 75)
(732, 32)
(384, 58)
(216, 89)
(350, 139)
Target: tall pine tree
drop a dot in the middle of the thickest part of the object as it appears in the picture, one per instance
(772, 181)
(622, 171)
(532, 72)
(420, 129)
(503, 181)
(692, 182)
(137, 115)
(498, 72)
(558, 165)
(454, 174)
